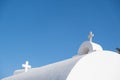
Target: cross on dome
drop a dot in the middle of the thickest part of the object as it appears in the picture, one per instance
(90, 36)
(26, 66)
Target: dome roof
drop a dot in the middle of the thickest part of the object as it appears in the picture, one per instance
(88, 47)
(98, 65)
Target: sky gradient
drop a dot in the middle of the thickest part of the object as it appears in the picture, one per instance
(47, 31)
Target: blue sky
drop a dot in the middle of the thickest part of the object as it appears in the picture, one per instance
(47, 31)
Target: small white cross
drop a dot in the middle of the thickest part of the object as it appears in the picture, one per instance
(26, 66)
(90, 37)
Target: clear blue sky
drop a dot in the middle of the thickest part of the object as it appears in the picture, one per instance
(47, 31)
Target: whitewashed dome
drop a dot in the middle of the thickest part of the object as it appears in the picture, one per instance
(88, 47)
(98, 65)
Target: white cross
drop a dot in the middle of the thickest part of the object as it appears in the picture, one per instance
(90, 37)
(26, 66)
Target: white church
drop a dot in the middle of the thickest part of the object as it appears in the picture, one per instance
(90, 63)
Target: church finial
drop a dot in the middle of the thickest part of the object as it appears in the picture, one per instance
(26, 66)
(90, 36)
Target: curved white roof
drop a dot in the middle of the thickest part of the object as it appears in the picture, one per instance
(99, 65)
(55, 71)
